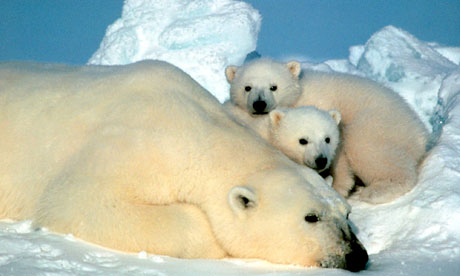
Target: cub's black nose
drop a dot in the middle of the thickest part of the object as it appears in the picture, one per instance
(259, 106)
(321, 162)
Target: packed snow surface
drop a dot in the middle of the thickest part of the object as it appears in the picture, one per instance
(417, 234)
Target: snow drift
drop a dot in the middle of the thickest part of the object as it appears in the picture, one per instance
(200, 37)
(417, 234)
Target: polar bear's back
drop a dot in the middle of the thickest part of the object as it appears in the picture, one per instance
(347, 93)
(47, 86)
(115, 116)
(361, 99)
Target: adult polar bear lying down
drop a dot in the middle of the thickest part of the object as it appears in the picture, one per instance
(140, 157)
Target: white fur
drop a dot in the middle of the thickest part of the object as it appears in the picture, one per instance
(268, 81)
(383, 139)
(140, 157)
(291, 127)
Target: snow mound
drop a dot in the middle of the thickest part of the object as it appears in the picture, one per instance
(451, 53)
(200, 37)
(413, 68)
(402, 62)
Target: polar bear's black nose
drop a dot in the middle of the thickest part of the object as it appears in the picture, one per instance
(321, 162)
(357, 259)
(259, 106)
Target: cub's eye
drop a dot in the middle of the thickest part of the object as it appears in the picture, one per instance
(303, 141)
(273, 88)
(327, 140)
(247, 88)
(311, 218)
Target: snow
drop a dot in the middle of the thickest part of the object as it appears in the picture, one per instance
(413, 68)
(200, 37)
(417, 234)
(451, 53)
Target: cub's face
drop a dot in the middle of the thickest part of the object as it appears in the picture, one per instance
(307, 135)
(261, 85)
(283, 218)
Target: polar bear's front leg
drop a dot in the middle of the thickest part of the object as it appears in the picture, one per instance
(113, 196)
(343, 177)
(387, 180)
(176, 230)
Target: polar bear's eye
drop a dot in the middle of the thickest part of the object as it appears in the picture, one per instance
(273, 87)
(303, 141)
(327, 140)
(311, 218)
(247, 88)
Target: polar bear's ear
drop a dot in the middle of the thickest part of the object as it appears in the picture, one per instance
(335, 115)
(230, 72)
(294, 67)
(275, 117)
(241, 199)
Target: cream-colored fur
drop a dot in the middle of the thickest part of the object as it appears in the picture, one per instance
(140, 157)
(383, 139)
(306, 134)
(258, 124)
(261, 76)
(261, 85)
(284, 127)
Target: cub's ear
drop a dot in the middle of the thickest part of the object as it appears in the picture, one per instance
(275, 117)
(295, 68)
(335, 115)
(230, 72)
(241, 199)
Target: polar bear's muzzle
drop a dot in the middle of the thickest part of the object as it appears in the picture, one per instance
(260, 102)
(355, 258)
(321, 163)
(259, 107)
(318, 163)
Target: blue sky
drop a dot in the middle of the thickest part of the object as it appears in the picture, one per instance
(325, 29)
(70, 30)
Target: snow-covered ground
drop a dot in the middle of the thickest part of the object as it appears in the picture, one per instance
(417, 234)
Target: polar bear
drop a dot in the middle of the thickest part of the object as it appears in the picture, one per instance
(258, 87)
(306, 134)
(141, 157)
(384, 141)
(261, 85)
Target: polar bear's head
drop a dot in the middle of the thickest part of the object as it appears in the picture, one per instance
(306, 134)
(261, 85)
(290, 217)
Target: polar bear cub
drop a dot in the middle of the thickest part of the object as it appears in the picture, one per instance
(263, 84)
(306, 134)
(384, 140)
